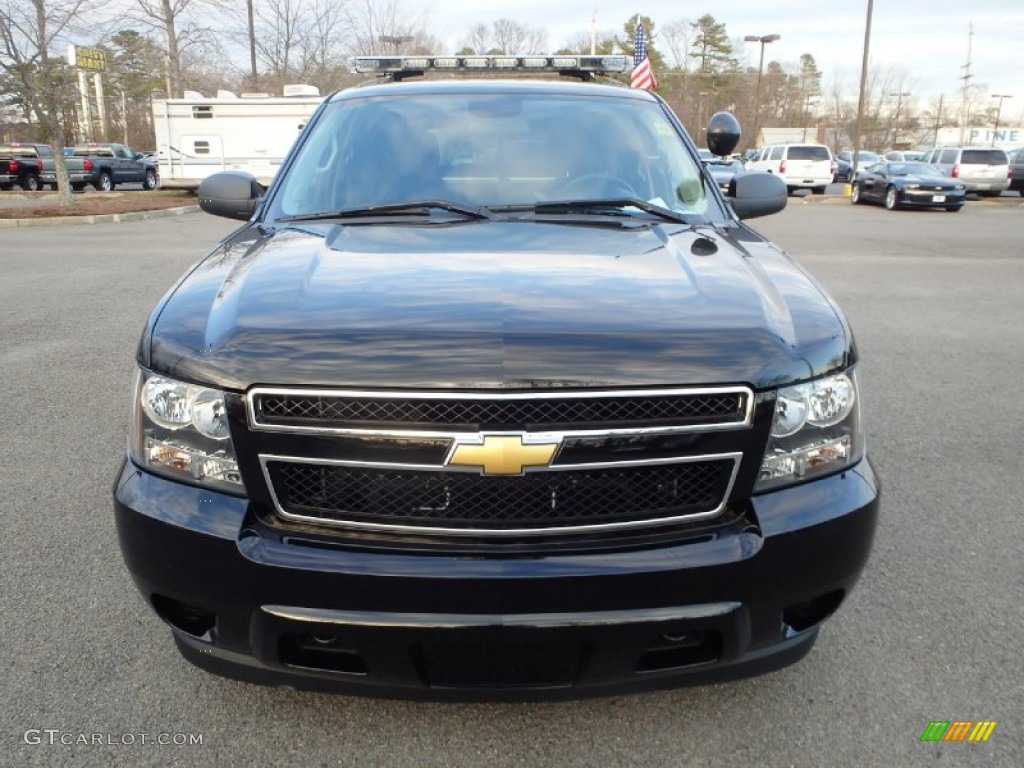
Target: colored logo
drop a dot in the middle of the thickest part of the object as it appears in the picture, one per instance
(503, 455)
(958, 730)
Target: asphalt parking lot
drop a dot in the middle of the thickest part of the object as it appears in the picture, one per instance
(933, 632)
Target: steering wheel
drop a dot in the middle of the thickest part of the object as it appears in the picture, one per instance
(596, 186)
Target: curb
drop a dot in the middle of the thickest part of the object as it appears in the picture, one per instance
(99, 218)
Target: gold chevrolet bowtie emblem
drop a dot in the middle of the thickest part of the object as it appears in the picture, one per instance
(503, 455)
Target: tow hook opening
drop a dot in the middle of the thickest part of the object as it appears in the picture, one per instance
(686, 649)
(805, 615)
(320, 651)
(190, 619)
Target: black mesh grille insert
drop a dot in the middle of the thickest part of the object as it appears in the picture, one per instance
(341, 410)
(468, 501)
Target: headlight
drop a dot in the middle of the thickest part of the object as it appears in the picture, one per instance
(912, 186)
(181, 430)
(815, 431)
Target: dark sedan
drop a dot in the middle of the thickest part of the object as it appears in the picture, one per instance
(844, 163)
(910, 185)
(723, 171)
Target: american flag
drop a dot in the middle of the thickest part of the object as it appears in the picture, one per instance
(643, 75)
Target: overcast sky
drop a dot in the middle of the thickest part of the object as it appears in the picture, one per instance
(927, 38)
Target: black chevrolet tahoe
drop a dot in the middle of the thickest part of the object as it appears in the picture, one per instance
(495, 396)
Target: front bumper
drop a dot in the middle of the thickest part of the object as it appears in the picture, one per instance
(252, 601)
(931, 199)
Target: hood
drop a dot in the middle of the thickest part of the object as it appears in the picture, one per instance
(496, 304)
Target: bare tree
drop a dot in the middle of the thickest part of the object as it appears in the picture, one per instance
(174, 20)
(506, 36)
(376, 26)
(477, 40)
(280, 34)
(29, 31)
(676, 38)
(605, 43)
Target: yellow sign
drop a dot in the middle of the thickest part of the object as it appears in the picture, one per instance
(503, 455)
(87, 58)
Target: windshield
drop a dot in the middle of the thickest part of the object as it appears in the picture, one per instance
(491, 150)
(983, 157)
(913, 169)
(809, 153)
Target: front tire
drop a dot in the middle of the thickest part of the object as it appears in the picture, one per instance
(891, 199)
(855, 194)
(953, 208)
(105, 183)
(818, 191)
(150, 182)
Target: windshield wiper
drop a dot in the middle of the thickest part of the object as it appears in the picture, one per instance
(420, 207)
(604, 206)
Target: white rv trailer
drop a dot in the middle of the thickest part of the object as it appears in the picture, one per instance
(197, 136)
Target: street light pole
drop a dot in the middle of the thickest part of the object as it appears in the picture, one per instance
(762, 39)
(999, 111)
(395, 40)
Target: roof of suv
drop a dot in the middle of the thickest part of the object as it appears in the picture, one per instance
(477, 85)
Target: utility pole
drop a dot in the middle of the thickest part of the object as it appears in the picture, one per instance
(966, 77)
(252, 48)
(938, 120)
(863, 87)
(896, 122)
(999, 111)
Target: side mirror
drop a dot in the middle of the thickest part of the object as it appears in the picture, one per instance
(757, 194)
(723, 133)
(231, 194)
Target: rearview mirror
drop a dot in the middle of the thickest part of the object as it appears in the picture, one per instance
(757, 194)
(231, 194)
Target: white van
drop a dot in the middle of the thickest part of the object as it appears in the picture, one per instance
(801, 166)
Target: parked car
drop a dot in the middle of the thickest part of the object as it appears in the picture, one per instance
(111, 164)
(907, 185)
(723, 171)
(844, 163)
(1016, 159)
(494, 394)
(903, 156)
(985, 170)
(801, 166)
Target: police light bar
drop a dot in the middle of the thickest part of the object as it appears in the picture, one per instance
(408, 65)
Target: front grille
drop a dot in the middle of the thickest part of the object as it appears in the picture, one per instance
(298, 410)
(467, 502)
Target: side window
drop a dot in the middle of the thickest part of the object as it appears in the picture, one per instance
(948, 156)
(777, 152)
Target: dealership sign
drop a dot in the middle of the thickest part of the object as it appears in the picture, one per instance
(1009, 137)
